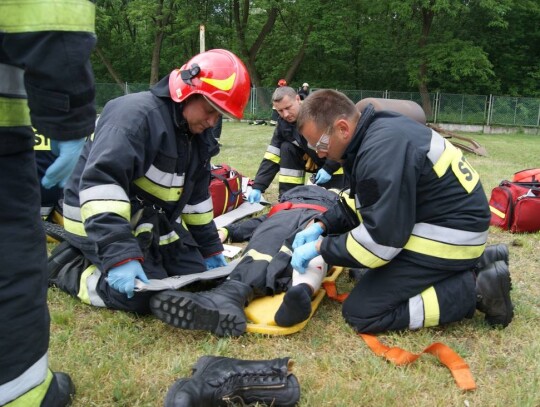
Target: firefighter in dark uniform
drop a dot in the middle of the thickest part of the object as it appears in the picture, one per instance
(424, 221)
(46, 82)
(264, 269)
(138, 204)
(288, 153)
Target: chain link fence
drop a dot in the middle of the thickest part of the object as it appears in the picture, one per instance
(439, 107)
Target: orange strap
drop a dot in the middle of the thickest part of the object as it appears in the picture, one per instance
(457, 366)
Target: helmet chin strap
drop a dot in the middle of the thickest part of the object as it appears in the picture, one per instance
(188, 74)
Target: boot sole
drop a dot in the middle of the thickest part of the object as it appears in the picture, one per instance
(183, 311)
(505, 286)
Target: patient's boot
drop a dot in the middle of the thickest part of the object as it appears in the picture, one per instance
(221, 381)
(493, 287)
(220, 311)
(296, 306)
(491, 254)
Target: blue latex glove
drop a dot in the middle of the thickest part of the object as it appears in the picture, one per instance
(303, 255)
(68, 153)
(322, 177)
(122, 278)
(217, 260)
(307, 235)
(254, 196)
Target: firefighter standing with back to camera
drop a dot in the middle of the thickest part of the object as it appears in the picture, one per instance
(46, 81)
(422, 227)
(138, 204)
(288, 153)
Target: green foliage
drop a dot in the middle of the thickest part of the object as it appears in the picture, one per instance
(473, 46)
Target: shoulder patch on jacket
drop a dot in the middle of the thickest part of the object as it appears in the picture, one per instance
(368, 192)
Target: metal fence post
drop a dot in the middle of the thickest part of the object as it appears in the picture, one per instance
(490, 109)
(436, 110)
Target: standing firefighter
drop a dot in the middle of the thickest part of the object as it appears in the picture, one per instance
(46, 81)
(138, 204)
(424, 221)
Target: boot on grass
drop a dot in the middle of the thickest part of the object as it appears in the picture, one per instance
(493, 286)
(221, 381)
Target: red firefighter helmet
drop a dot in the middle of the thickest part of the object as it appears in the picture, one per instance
(218, 75)
(282, 82)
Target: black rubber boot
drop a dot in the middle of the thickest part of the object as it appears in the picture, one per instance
(296, 306)
(492, 253)
(220, 311)
(493, 287)
(221, 381)
(60, 392)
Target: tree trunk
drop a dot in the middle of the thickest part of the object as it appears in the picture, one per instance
(161, 21)
(240, 17)
(109, 67)
(299, 56)
(427, 20)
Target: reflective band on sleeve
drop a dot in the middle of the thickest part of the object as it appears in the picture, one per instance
(168, 238)
(362, 236)
(362, 255)
(14, 112)
(12, 82)
(103, 192)
(143, 228)
(339, 171)
(165, 194)
(198, 219)
(94, 208)
(18, 16)
(291, 180)
(29, 388)
(75, 227)
(202, 207)
(272, 157)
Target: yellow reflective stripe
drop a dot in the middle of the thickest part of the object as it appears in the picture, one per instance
(168, 238)
(443, 250)
(33, 397)
(83, 290)
(42, 143)
(255, 255)
(198, 219)
(362, 255)
(272, 157)
(75, 227)
(497, 212)
(432, 312)
(450, 153)
(18, 16)
(92, 208)
(286, 250)
(339, 171)
(163, 193)
(291, 180)
(465, 173)
(14, 112)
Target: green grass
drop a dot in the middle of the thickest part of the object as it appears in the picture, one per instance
(119, 359)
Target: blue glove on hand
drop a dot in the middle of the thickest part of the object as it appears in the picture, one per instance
(254, 196)
(307, 235)
(303, 255)
(68, 153)
(122, 278)
(322, 177)
(217, 260)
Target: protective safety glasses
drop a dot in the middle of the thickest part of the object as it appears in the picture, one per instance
(324, 140)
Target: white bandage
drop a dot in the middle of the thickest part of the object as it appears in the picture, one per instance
(315, 272)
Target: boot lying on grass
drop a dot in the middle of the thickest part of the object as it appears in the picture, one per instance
(221, 381)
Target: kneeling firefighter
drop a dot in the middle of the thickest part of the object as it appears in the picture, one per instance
(138, 204)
